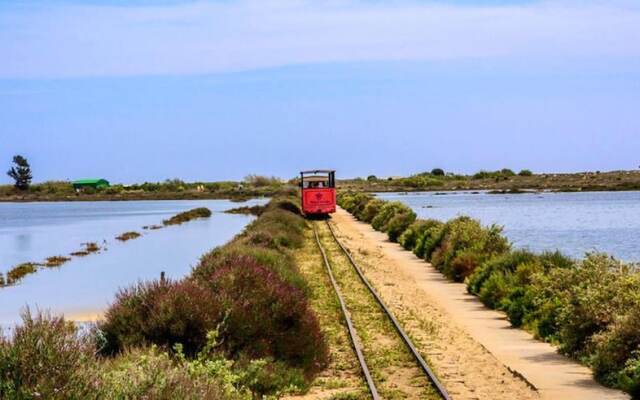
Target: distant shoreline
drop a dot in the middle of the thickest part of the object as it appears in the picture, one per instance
(31, 198)
(498, 183)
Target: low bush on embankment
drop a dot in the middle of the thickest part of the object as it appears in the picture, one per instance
(589, 308)
(181, 218)
(239, 326)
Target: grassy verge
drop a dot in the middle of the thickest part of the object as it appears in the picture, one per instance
(239, 326)
(342, 378)
(589, 308)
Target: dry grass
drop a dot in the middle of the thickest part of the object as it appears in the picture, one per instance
(89, 247)
(253, 210)
(128, 236)
(17, 273)
(56, 261)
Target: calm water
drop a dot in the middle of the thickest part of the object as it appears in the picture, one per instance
(84, 286)
(575, 223)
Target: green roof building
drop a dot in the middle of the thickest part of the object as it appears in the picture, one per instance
(92, 183)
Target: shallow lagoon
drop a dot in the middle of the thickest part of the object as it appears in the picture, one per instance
(83, 287)
(575, 223)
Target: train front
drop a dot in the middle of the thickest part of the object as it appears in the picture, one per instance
(318, 189)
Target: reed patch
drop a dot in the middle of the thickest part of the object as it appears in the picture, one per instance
(201, 212)
(123, 237)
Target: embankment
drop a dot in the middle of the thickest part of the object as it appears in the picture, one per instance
(238, 326)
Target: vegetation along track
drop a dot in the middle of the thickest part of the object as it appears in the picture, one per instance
(390, 363)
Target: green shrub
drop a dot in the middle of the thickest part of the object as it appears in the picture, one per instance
(525, 172)
(616, 349)
(359, 203)
(464, 245)
(428, 239)
(495, 288)
(628, 379)
(200, 212)
(282, 263)
(387, 212)
(371, 210)
(286, 203)
(399, 223)
(421, 181)
(504, 263)
(153, 374)
(345, 200)
(502, 174)
(597, 291)
(410, 235)
(437, 172)
(270, 377)
(507, 172)
(44, 358)
(276, 228)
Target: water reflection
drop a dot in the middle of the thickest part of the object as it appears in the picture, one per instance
(23, 242)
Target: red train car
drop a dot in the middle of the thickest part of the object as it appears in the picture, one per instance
(318, 191)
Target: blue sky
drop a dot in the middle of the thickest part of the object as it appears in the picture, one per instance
(148, 90)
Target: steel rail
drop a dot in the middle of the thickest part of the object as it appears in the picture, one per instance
(352, 331)
(423, 364)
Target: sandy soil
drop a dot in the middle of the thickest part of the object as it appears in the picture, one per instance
(473, 349)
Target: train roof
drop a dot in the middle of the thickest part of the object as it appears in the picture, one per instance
(315, 178)
(318, 171)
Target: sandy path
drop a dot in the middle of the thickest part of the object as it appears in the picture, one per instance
(475, 351)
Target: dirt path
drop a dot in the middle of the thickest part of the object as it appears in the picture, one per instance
(473, 349)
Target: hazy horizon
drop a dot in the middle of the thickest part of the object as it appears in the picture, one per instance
(148, 90)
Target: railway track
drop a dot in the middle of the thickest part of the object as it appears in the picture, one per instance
(436, 390)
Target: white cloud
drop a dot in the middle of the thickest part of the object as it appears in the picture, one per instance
(74, 40)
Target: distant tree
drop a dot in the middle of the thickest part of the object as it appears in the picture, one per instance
(21, 173)
(525, 172)
(507, 172)
(437, 172)
(372, 178)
